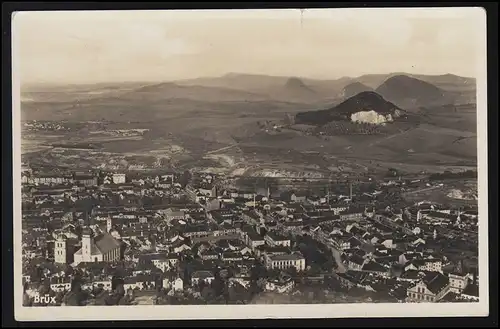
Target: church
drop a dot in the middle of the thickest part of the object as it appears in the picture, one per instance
(100, 248)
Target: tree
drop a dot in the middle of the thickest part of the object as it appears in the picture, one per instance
(120, 290)
(292, 271)
(208, 293)
(185, 178)
(27, 300)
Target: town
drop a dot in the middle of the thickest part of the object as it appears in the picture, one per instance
(128, 238)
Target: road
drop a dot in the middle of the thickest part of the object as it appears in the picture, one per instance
(222, 149)
(422, 190)
(390, 137)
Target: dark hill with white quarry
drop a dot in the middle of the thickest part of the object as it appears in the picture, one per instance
(367, 107)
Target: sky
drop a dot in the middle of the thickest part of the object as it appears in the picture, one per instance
(112, 46)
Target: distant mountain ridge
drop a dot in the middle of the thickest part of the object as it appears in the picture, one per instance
(289, 91)
(353, 89)
(411, 93)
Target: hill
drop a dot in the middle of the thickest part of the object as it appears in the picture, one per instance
(353, 89)
(367, 102)
(449, 82)
(168, 90)
(411, 93)
(247, 82)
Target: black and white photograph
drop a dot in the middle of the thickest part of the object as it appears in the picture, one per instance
(232, 164)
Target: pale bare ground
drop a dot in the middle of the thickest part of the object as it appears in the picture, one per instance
(144, 300)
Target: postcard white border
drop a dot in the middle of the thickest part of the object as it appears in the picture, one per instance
(174, 312)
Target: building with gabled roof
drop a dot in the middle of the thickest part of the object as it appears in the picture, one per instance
(100, 248)
(431, 288)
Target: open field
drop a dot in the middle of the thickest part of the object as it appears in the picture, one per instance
(238, 132)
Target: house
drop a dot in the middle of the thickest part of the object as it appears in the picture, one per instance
(300, 196)
(351, 214)
(285, 261)
(290, 196)
(343, 242)
(173, 214)
(351, 279)
(180, 247)
(274, 239)
(429, 264)
(458, 282)
(178, 285)
(412, 276)
(471, 292)
(338, 208)
(281, 285)
(439, 217)
(160, 261)
(209, 255)
(270, 250)
(376, 268)
(199, 276)
(431, 288)
(356, 262)
(59, 284)
(101, 248)
(252, 238)
(141, 281)
(85, 180)
(118, 178)
(98, 283)
(197, 231)
(131, 283)
(208, 191)
(315, 200)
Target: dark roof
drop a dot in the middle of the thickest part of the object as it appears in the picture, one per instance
(442, 215)
(449, 297)
(231, 255)
(436, 282)
(147, 257)
(105, 242)
(356, 259)
(276, 237)
(472, 289)
(375, 267)
(202, 274)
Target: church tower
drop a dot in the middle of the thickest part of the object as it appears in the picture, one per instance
(60, 250)
(87, 245)
(109, 224)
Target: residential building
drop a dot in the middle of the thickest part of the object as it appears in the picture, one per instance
(285, 261)
(458, 282)
(281, 285)
(432, 288)
(85, 180)
(119, 178)
(470, 293)
(351, 214)
(199, 276)
(274, 239)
